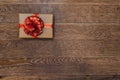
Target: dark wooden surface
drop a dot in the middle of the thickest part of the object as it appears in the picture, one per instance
(86, 44)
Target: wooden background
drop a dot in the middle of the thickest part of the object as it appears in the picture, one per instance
(86, 44)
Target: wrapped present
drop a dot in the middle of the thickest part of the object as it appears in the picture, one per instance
(35, 26)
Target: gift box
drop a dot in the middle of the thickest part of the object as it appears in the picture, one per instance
(35, 26)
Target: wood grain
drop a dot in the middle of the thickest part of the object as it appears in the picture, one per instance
(60, 66)
(66, 31)
(85, 45)
(87, 77)
(88, 2)
(64, 13)
(83, 48)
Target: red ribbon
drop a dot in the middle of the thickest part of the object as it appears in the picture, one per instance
(34, 25)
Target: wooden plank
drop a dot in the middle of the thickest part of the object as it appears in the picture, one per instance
(87, 31)
(93, 2)
(35, 48)
(68, 31)
(24, 78)
(61, 66)
(85, 77)
(69, 13)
